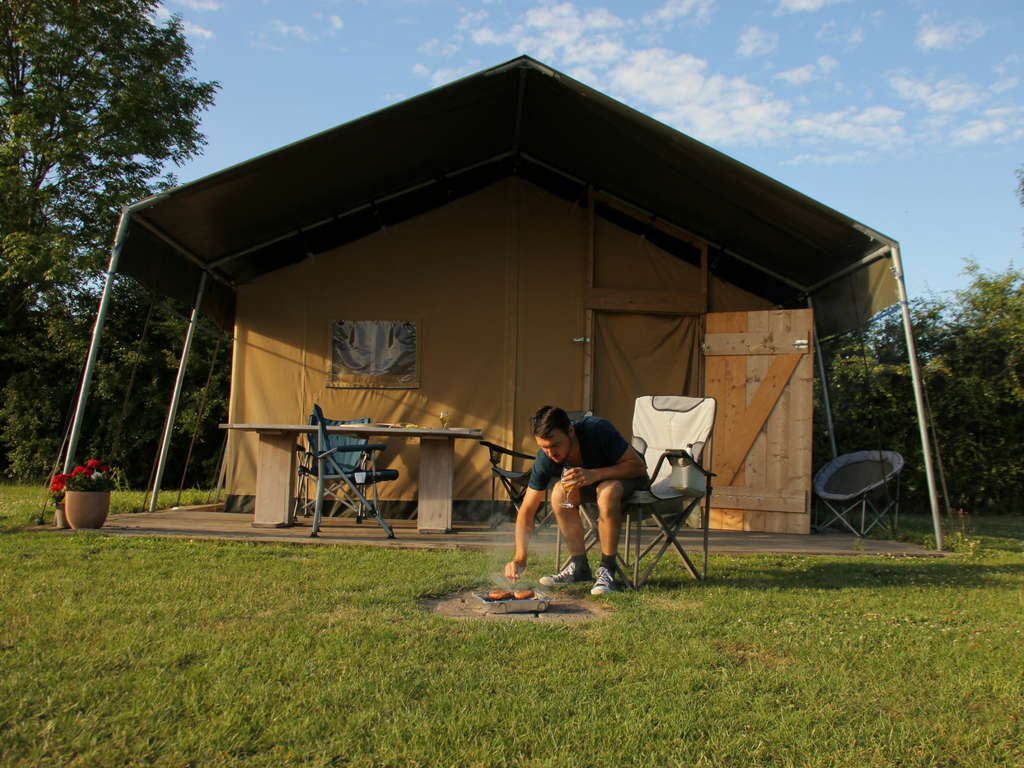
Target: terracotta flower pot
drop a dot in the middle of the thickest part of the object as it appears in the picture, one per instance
(86, 509)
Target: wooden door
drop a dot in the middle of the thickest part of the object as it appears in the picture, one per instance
(760, 369)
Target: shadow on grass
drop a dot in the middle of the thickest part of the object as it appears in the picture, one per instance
(768, 572)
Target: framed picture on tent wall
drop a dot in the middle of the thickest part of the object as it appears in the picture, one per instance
(374, 354)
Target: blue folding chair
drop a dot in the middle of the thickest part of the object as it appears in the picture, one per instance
(344, 468)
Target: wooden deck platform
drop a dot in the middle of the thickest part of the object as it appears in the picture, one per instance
(203, 524)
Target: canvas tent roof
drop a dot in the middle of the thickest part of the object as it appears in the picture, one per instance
(520, 117)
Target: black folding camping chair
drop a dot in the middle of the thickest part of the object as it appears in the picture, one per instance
(345, 469)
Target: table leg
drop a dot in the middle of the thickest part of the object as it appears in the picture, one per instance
(437, 466)
(275, 480)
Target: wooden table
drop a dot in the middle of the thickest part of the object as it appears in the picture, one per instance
(275, 469)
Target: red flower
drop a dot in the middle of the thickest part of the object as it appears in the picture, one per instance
(92, 464)
(59, 483)
(104, 469)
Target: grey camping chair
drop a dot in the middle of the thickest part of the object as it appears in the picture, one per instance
(864, 484)
(345, 468)
(673, 434)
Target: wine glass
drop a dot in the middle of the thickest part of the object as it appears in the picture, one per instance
(568, 486)
(444, 419)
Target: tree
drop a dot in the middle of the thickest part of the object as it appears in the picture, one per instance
(96, 101)
(971, 348)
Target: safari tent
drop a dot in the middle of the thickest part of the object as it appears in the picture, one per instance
(509, 240)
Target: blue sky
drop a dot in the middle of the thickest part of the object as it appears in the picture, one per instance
(907, 116)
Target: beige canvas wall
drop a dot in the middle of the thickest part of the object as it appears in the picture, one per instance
(496, 282)
(490, 279)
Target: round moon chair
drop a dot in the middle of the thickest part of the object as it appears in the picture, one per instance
(864, 484)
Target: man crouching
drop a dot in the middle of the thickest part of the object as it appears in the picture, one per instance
(592, 459)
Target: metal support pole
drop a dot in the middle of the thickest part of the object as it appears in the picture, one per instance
(824, 391)
(173, 410)
(824, 387)
(97, 332)
(915, 373)
(101, 318)
(824, 396)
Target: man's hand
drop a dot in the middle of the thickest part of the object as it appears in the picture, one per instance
(515, 569)
(580, 477)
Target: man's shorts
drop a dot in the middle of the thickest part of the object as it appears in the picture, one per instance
(630, 485)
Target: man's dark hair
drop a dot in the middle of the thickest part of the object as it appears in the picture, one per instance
(547, 420)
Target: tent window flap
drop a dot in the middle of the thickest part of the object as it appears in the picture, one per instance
(381, 354)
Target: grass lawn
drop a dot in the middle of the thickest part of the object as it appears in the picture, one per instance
(125, 651)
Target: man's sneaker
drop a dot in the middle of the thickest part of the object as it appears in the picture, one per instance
(605, 582)
(568, 575)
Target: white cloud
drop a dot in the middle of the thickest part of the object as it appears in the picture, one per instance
(712, 108)
(194, 30)
(200, 5)
(795, 6)
(797, 76)
(831, 33)
(808, 72)
(1006, 84)
(336, 23)
(944, 96)
(995, 125)
(877, 127)
(699, 12)
(434, 47)
(619, 57)
(933, 37)
(560, 33)
(756, 42)
(278, 28)
(1000, 69)
(442, 76)
(859, 156)
(471, 19)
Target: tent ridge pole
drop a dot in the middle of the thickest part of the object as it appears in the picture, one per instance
(101, 318)
(915, 374)
(172, 411)
(519, 114)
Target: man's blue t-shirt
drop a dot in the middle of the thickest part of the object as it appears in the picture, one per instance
(601, 445)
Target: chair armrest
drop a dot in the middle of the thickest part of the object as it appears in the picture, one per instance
(504, 451)
(364, 448)
(679, 453)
